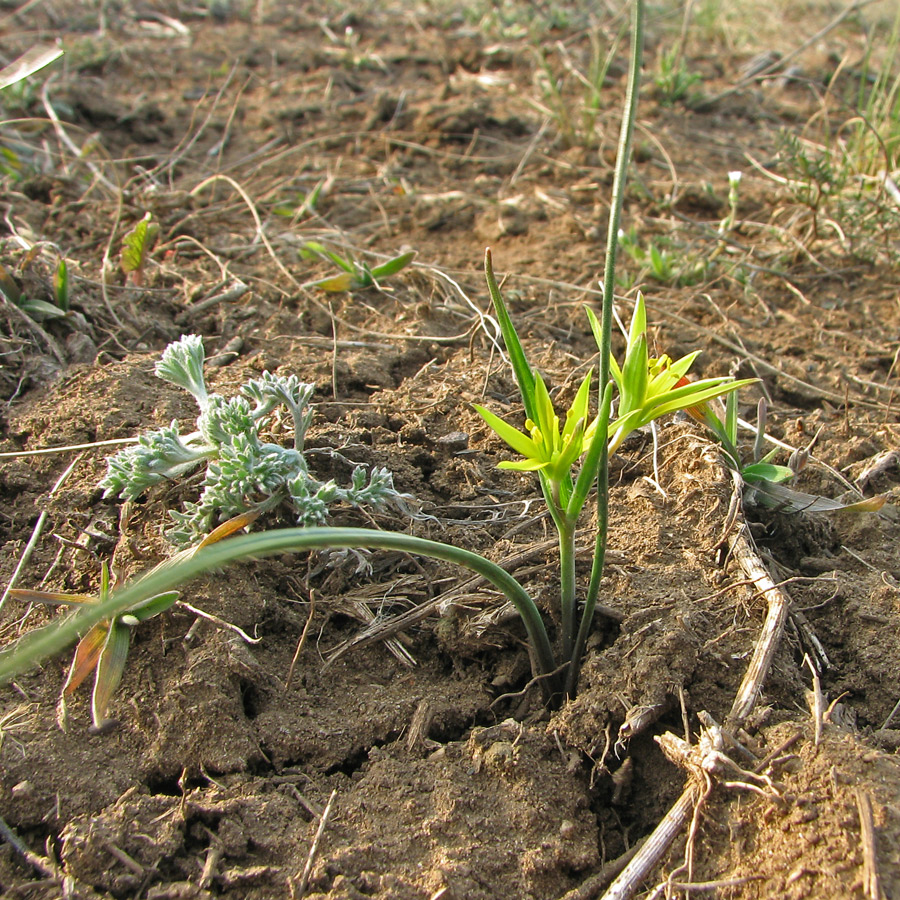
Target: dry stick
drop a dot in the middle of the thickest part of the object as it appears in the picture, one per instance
(40, 864)
(743, 551)
(591, 888)
(817, 702)
(655, 846)
(48, 451)
(302, 641)
(628, 883)
(36, 533)
(871, 881)
(221, 623)
(314, 849)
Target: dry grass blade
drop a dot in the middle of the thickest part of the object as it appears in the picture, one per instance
(36, 534)
(871, 878)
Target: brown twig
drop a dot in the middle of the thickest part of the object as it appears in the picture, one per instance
(656, 845)
(741, 546)
(314, 849)
(301, 643)
(654, 848)
(871, 881)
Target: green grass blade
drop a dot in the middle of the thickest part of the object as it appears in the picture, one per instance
(110, 667)
(522, 371)
(393, 266)
(50, 639)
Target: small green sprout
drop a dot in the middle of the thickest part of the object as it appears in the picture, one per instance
(104, 648)
(61, 286)
(136, 247)
(301, 204)
(663, 262)
(354, 276)
(650, 387)
(764, 480)
(244, 473)
(36, 309)
(673, 80)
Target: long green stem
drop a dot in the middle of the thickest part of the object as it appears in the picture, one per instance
(567, 587)
(623, 159)
(46, 641)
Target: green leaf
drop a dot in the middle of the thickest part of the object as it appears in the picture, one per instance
(522, 465)
(346, 281)
(731, 417)
(694, 393)
(314, 248)
(147, 609)
(61, 286)
(638, 326)
(392, 266)
(519, 442)
(635, 374)
(766, 471)
(110, 667)
(521, 369)
(677, 370)
(137, 244)
(42, 308)
(181, 364)
(592, 459)
(578, 411)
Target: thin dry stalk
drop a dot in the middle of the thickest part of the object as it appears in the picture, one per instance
(816, 702)
(314, 849)
(742, 549)
(36, 532)
(871, 880)
(302, 642)
(49, 451)
(655, 847)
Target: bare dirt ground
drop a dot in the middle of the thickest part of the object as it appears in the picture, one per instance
(446, 128)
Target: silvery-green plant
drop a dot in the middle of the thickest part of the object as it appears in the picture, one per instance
(244, 472)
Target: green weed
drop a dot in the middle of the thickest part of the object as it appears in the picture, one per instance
(137, 245)
(243, 472)
(573, 99)
(673, 80)
(354, 275)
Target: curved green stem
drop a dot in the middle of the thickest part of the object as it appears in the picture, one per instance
(46, 641)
